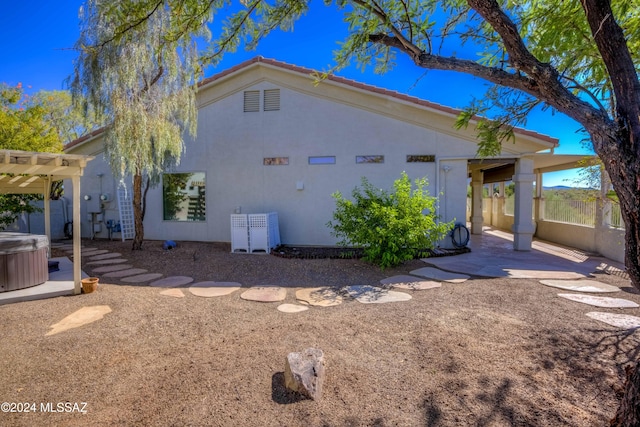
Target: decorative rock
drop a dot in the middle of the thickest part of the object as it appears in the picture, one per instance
(371, 295)
(264, 294)
(79, 318)
(172, 281)
(304, 373)
(214, 289)
(437, 274)
(410, 282)
(176, 293)
(142, 278)
(104, 256)
(292, 308)
(623, 321)
(110, 268)
(319, 297)
(600, 301)
(581, 285)
(125, 273)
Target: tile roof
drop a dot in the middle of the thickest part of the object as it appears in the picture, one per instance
(337, 79)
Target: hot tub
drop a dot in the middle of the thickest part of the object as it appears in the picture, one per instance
(23, 260)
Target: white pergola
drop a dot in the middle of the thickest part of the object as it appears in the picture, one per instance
(23, 172)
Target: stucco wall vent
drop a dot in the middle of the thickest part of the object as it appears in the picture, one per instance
(272, 100)
(251, 101)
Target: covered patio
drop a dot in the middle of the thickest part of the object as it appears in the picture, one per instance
(23, 172)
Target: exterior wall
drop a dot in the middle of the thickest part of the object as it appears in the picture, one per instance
(231, 145)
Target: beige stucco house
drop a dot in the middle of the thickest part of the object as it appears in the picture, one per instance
(271, 140)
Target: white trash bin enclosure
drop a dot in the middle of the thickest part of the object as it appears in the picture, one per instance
(252, 233)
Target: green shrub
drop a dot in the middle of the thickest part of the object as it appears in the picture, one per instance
(390, 227)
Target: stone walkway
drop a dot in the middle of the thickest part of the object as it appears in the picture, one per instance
(453, 271)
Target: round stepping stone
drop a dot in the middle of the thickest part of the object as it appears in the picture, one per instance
(372, 295)
(214, 289)
(125, 273)
(600, 301)
(176, 293)
(410, 282)
(319, 297)
(108, 261)
(437, 274)
(172, 281)
(141, 278)
(581, 285)
(292, 308)
(264, 294)
(623, 321)
(110, 268)
(94, 252)
(104, 256)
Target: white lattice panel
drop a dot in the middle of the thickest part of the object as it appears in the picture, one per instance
(125, 206)
(239, 233)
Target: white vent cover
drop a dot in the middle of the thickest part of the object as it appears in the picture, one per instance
(251, 101)
(272, 100)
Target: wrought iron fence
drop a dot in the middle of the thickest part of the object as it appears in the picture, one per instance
(581, 212)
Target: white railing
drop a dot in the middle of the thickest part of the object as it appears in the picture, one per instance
(582, 212)
(616, 218)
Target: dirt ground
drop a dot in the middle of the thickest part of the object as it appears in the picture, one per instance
(487, 352)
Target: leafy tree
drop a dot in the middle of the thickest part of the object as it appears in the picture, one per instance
(23, 126)
(391, 227)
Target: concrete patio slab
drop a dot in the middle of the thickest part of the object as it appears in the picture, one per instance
(81, 317)
(591, 286)
(173, 292)
(110, 268)
(292, 308)
(125, 273)
(492, 255)
(60, 283)
(622, 321)
(437, 274)
(264, 294)
(606, 302)
(319, 297)
(140, 278)
(172, 281)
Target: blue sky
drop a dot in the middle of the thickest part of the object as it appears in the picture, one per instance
(36, 38)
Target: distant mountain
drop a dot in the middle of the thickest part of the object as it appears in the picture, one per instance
(565, 187)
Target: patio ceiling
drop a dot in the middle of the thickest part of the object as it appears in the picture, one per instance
(23, 172)
(503, 169)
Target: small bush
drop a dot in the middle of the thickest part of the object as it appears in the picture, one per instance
(390, 227)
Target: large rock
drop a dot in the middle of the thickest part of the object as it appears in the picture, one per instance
(304, 373)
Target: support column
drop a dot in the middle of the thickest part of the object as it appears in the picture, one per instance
(603, 207)
(476, 201)
(47, 211)
(77, 262)
(523, 227)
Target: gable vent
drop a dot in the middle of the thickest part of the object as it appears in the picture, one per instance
(251, 101)
(272, 100)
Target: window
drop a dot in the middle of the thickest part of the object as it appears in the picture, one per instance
(322, 160)
(370, 159)
(251, 101)
(272, 100)
(275, 161)
(183, 196)
(421, 158)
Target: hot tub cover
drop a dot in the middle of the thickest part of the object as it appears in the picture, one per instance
(11, 242)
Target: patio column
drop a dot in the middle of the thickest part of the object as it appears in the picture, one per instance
(477, 176)
(77, 262)
(603, 207)
(523, 227)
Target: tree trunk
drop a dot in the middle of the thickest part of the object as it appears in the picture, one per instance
(137, 212)
(628, 414)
